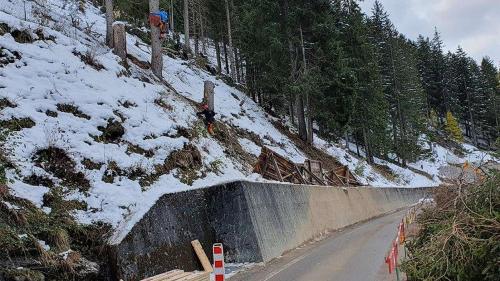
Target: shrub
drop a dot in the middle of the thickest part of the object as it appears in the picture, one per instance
(459, 238)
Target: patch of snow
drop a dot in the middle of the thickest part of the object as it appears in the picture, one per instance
(11, 206)
(64, 255)
(232, 269)
(44, 245)
(249, 146)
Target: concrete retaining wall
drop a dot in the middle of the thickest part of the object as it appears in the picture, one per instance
(255, 222)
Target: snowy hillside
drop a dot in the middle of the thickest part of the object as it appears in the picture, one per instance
(70, 104)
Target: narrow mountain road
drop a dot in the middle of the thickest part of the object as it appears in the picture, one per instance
(353, 254)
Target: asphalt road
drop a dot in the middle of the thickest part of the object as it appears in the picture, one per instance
(353, 254)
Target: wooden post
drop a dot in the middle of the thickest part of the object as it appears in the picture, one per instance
(119, 40)
(208, 95)
(202, 256)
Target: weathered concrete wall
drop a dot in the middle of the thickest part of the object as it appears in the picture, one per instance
(255, 222)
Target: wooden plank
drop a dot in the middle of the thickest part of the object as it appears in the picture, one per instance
(176, 277)
(198, 276)
(207, 266)
(300, 177)
(337, 177)
(277, 169)
(166, 274)
(315, 177)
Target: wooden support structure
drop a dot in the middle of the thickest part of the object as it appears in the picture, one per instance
(275, 167)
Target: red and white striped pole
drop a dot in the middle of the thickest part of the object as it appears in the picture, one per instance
(219, 269)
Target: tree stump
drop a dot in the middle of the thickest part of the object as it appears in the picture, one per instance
(208, 95)
(119, 40)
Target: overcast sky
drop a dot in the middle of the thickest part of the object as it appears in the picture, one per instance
(472, 24)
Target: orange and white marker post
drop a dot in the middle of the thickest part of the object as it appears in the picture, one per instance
(219, 269)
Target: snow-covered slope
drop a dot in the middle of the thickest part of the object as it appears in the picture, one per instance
(71, 103)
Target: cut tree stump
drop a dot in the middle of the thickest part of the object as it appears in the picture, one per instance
(208, 95)
(119, 40)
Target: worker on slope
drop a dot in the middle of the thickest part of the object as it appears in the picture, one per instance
(209, 118)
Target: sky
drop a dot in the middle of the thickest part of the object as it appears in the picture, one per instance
(472, 24)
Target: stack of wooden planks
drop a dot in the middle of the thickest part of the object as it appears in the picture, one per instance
(275, 167)
(180, 275)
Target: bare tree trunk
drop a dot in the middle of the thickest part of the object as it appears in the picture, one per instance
(357, 146)
(172, 27)
(201, 10)
(109, 23)
(217, 51)
(156, 52)
(195, 29)
(368, 154)
(187, 48)
(310, 129)
(471, 117)
(300, 116)
(230, 42)
(237, 65)
(225, 56)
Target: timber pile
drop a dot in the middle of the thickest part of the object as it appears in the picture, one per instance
(273, 166)
(180, 275)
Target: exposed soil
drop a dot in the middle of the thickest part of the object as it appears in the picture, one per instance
(89, 59)
(228, 136)
(133, 148)
(7, 56)
(188, 162)
(56, 161)
(4, 28)
(51, 113)
(22, 36)
(91, 165)
(4, 103)
(38, 181)
(112, 133)
(141, 64)
(329, 162)
(73, 109)
(15, 124)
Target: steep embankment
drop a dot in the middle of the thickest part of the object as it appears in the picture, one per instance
(81, 126)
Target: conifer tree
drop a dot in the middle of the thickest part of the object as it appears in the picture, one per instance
(452, 128)
(490, 81)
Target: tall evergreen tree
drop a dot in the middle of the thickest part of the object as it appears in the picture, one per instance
(491, 87)
(369, 121)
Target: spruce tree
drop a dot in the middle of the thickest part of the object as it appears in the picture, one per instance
(491, 94)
